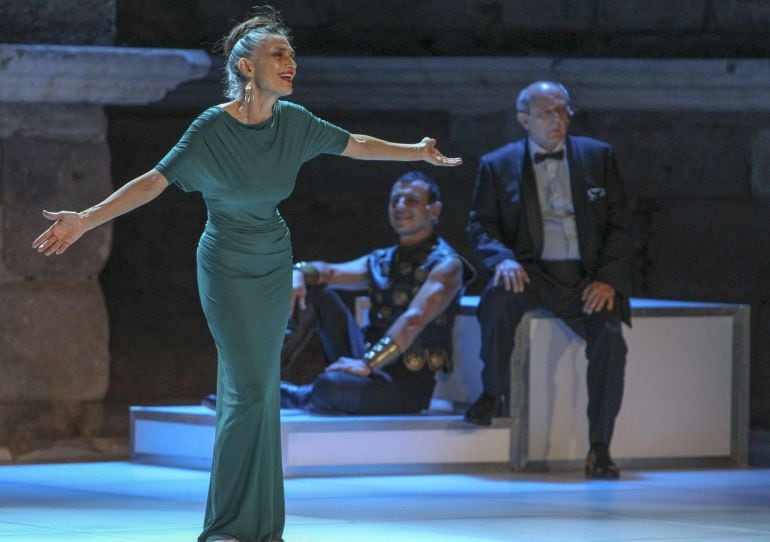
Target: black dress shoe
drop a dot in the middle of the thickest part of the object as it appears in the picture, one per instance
(599, 464)
(210, 401)
(293, 396)
(482, 411)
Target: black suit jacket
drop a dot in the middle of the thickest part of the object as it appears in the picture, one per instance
(505, 220)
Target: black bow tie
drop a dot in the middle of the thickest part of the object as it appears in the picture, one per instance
(540, 156)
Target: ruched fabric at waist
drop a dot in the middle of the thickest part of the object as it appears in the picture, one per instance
(251, 249)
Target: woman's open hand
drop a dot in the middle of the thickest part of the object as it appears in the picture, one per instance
(433, 156)
(66, 230)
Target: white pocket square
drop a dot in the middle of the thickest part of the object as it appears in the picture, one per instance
(596, 193)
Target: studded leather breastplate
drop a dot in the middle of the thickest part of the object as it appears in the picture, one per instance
(396, 274)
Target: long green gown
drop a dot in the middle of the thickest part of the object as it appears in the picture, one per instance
(244, 281)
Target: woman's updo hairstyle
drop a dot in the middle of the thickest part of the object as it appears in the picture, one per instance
(243, 40)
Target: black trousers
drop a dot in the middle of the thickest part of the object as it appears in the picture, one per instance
(557, 287)
(393, 390)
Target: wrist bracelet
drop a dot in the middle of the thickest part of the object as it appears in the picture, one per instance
(382, 353)
(309, 271)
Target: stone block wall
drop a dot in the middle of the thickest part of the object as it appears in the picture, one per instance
(585, 28)
(54, 326)
(71, 22)
(54, 335)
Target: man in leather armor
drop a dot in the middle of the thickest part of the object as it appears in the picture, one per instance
(389, 366)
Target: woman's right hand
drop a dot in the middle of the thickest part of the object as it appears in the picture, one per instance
(66, 230)
(298, 291)
(70, 226)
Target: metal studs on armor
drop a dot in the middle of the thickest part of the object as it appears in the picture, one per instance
(437, 360)
(414, 362)
(400, 298)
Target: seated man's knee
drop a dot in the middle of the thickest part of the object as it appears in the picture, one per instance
(607, 327)
(609, 320)
(497, 300)
(331, 382)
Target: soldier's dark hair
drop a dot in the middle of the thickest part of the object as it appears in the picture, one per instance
(434, 193)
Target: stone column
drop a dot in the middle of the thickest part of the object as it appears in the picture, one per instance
(54, 328)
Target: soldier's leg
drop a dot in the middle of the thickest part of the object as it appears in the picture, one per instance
(382, 392)
(327, 315)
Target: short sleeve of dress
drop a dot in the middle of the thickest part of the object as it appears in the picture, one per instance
(183, 164)
(321, 137)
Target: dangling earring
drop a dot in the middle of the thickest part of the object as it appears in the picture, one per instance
(248, 92)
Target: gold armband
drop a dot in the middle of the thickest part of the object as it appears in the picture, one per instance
(309, 271)
(382, 353)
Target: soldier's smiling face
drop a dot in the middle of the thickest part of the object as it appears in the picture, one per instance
(410, 210)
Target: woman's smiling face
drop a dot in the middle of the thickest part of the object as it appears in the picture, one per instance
(274, 67)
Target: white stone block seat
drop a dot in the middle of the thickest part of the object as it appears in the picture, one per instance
(685, 404)
(315, 444)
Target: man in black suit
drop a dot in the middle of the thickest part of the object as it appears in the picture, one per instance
(548, 220)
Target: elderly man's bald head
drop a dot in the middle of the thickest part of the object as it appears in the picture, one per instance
(544, 112)
(540, 88)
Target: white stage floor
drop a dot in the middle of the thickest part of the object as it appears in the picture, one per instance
(111, 502)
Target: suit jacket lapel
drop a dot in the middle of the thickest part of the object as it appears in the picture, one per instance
(531, 201)
(579, 197)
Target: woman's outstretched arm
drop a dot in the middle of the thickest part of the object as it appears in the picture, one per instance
(69, 226)
(364, 147)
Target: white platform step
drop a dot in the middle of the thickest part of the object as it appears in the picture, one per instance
(312, 444)
(685, 404)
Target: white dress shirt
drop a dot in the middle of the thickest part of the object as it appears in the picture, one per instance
(560, 240)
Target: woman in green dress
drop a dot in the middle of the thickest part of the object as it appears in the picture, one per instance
(243, 156)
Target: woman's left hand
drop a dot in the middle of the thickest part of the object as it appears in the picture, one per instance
(432, 155)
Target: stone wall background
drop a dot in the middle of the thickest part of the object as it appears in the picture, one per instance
(54, 335)
(54, 326)
(585, 28)
(64, 22)
(699, 180)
